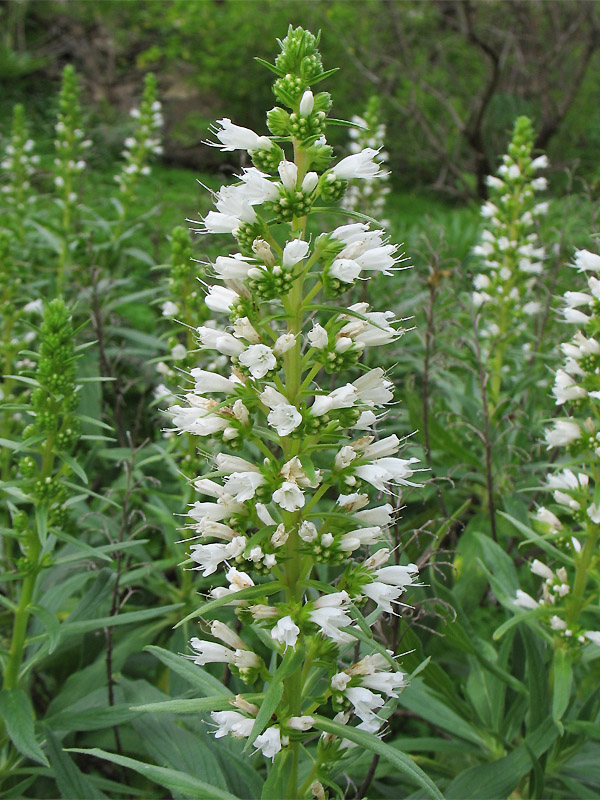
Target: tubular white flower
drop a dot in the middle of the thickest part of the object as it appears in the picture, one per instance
(269, 742)
(289, 496)
(285, 418)
(235, 137)
(221, 299)
(285, 631)
(360, 165)
(259, 359)
(210, 652)
(288, 172)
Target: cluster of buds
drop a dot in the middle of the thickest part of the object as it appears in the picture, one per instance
(369, 196)
(54, 429)
(185, 306)
(509, 249)
(70, 142)
(19, 164)
(145, 140)
(573, 525)
(300, 503)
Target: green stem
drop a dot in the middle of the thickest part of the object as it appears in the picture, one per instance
(582, 568)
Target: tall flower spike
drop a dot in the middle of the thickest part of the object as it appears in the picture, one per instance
(18, 164)
(510, 253)
(142, 144)
(573, 519)
(279, 519)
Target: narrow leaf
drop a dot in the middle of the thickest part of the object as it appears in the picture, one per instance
(176, 782)
(370, 742)
(17, 714)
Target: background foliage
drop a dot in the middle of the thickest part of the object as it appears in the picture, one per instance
(495, 710)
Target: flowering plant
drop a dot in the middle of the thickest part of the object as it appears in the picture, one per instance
(292, 521)
(567, 606)
(510, 253)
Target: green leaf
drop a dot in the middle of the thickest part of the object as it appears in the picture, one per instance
(51, 623)
(421, 699)
(370, 742)
(176, 782)
(275, 786)
(272, 699)
(72, 783)
(195, 705)
(90, 719)
(563, 680)
(500, 778)
(263, 590)
(17, 714)
(192, 673)
(270, 66)
(41, 522)
(75, 467)
(520, 616)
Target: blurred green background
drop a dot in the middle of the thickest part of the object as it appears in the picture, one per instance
(452, 75)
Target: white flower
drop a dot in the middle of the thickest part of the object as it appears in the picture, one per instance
(549, 518)
(343, 397)
(225, 634)
(243, 329)
(303, 723)
(289, 496)
(565, 432)
(272, 398)
(232, 267)
(374, 388)
(306, 103)
(229, 463)
(210, 653)
(178, 352)
(294, 252)
(566, 389)
(310, 182)
(540, 569)
(284, 418)
(359, 165)
(234, 137)
(339, 681)
(539, 184)
(242, 486)
(364, 701)
(221, 341)
(259, 359)
(397, 575)
(525, 600)
(269, 742)
(584, 260)
(239, 726)
(284, 343)
(307, 531)
(318, 337)
(211, 382)
(541, 162)
(286, 631)
(345, 270)
(288, 172)
(387, 682)
(169, 309)
(382, 594)
(594, 513)
(387, 470)
(329, 619)
(593, 637)
(221, 299)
